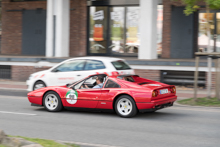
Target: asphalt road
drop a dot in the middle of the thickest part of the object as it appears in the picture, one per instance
(178, 126)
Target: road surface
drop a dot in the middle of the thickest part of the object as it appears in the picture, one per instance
(177, 126)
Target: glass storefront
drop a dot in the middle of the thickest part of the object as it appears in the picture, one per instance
(214, 21)
(159, 29)
(98, 30)
(115, 31)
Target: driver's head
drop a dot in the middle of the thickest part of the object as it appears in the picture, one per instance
(99, 79)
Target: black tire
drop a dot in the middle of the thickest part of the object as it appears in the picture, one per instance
(125, 106)
(52, 102)
(38, 85)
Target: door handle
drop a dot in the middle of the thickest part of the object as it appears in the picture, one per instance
(105, 91)
(78, 75)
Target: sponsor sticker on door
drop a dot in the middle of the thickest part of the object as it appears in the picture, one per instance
(71, 96)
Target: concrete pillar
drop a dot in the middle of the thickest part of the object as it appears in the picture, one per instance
(49, 29)
(148, 29)
(58, 20)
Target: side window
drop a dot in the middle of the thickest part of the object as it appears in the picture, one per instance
(111, 84)
(77, 86)
(94, 64)
(120, 65)
(75, 65)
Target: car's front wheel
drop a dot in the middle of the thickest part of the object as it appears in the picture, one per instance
(125, 106)
(38, 85)
(52, 102)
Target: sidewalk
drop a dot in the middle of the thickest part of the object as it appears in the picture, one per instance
(182, 93)
(12, 85)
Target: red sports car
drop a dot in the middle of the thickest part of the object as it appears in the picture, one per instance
(124, 94)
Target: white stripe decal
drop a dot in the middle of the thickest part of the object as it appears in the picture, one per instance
(17, 113)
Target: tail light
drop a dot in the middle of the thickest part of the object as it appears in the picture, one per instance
(173, 89)
(114, 73)
(155, 93)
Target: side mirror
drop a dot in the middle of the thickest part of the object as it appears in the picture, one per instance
(55, 70)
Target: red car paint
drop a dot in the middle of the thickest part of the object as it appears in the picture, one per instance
(140, 90)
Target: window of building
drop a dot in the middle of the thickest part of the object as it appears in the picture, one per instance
(98, 30)
(114, 30)
(25, 0)
(0, 23)
(159, 29)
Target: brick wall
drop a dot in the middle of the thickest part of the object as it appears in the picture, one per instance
(11, 43)
(78, 27)
(166, 29)
(12, 26)
(213, 79)
(149, 74)
(21, 73)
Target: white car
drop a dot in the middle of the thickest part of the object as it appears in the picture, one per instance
(74, 69)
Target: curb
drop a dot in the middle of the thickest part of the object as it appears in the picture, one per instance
(2, 88)
(175, 103)
(85, 144)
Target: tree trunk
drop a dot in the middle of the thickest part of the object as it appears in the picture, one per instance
(209, 82)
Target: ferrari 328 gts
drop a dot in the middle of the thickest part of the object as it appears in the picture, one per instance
(125, 94)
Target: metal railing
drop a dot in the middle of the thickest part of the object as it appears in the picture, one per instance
(213, 55)
(5, 72)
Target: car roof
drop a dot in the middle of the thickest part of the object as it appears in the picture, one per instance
(97, 58)
(128, 75)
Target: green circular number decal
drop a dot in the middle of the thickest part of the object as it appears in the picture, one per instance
(71, 96)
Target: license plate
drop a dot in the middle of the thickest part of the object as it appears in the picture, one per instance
(163, 91)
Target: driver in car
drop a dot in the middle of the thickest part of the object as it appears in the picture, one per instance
(99, 82)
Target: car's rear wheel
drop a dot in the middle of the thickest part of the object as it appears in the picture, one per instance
(38, 85)
(52, 102)
(125, 106)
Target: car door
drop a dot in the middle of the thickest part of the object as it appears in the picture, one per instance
(109, 91)
(83, 98)
(67, 72)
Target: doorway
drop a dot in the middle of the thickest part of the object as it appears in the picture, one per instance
(33, 32)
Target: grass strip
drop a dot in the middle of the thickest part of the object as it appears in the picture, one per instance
(212, 102)
(45, 142)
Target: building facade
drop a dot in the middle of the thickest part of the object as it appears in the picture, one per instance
(68, 28)
(146, 29)
(130, 28)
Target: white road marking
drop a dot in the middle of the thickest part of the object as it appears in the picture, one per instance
(4, 112)
(12, 97)
(86, 144)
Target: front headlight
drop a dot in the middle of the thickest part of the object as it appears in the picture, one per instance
(30, 77)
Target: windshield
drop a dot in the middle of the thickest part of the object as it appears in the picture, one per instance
(120, 65)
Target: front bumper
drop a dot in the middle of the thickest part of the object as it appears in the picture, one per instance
(29, 83)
